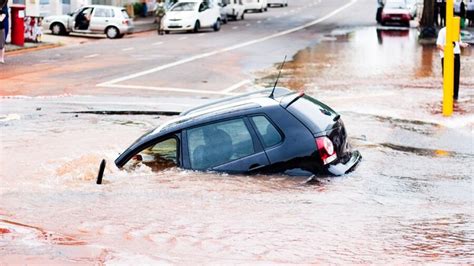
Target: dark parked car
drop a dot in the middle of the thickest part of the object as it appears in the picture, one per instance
(255, 132)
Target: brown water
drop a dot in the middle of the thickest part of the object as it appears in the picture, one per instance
(410, 200)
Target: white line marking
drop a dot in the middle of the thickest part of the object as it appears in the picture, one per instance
(235, 27)
(201, 34)
(236, 86)
(128, 49)
(182, 38)
(259, 21)
(157, 43)
(230, 48)
(248, 25)
(165, 89)
(91, 56)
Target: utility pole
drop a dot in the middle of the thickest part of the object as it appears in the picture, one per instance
(452, 35)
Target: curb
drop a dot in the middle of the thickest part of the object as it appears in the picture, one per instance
(31, 49)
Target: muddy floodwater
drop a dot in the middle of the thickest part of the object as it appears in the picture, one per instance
(409, 201)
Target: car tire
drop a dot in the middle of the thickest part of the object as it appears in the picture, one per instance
(197, 26)
(217, 25)
(112, 32)
(242, 16)
(167, 32)
(224, 21)
(268, 5)
(286, 4)
(265, 9)
(58, 29)
(260, 10)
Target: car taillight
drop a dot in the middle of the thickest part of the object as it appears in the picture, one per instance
(326, 150)
(125, 22)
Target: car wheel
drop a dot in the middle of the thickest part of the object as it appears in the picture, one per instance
(225, 20)
(167, 32)
(112, 32)
(265, 9)
(217, 25)
(286, 4)
(58, 29)
(261, 10)
(268, 5)
(242, 17)
(197, 25)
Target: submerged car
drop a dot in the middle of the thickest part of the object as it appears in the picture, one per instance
(266, 131)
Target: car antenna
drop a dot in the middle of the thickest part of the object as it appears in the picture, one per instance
(278, 77)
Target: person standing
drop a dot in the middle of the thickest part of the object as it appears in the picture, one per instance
(380, 5)
(470, 13)
(441, 43)
(160, 12)
(6, 20)
(442, 13)
(462, 14)
(3, 16)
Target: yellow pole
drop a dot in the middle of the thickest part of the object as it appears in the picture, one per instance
(448, 78)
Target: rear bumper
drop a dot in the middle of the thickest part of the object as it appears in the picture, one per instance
(344, 168)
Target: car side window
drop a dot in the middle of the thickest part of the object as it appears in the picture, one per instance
(202, 7)
(159, 156)
(267, 131)
(219, 143)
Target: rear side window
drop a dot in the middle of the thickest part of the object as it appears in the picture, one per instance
(124, 13)
(267, 131)
(315, 115)
(219, 143)
(103, 13)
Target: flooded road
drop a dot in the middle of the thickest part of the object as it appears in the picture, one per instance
(409, 201)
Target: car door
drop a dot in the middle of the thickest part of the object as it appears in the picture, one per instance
(205, 15)
(101, 18)
(228, 146)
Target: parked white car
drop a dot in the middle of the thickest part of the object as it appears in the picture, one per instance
(233, 9)
(92, 19)
(191, 16)
(255, 5)
(281, 3)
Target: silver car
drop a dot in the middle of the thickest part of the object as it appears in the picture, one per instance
(92, 19)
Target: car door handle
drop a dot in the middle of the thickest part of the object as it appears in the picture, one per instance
(254, 167)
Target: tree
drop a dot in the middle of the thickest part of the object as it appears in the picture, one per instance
(427, 29)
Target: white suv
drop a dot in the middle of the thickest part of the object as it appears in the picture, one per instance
(191, 16)
(234, 9)
(258, 5)
(111, 20)
(281, 3)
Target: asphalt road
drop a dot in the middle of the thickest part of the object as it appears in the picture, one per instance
(206, 64)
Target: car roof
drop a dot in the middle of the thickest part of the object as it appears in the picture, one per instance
(252, 100)
(104, 6)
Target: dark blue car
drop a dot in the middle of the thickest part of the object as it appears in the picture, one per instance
(259, 132)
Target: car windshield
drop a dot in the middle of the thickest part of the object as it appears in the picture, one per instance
(396, 5)
(187, 6)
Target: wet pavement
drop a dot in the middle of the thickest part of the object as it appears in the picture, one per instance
(410, 200)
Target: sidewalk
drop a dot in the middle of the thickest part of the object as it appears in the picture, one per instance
(51, 41)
